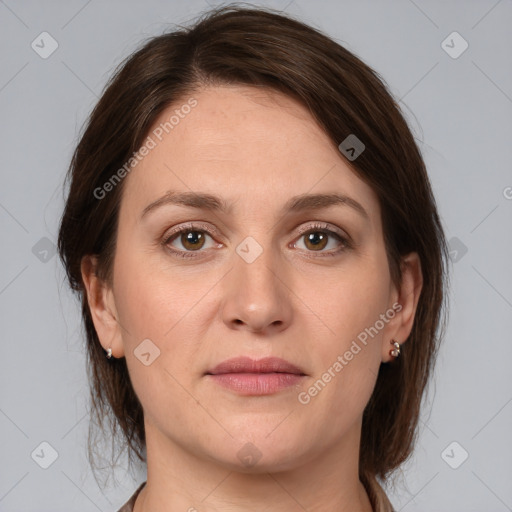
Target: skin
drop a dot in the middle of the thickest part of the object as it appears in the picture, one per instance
(255, 149)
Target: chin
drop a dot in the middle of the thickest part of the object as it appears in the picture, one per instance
(263, 454)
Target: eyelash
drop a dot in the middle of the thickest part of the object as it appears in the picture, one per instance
(314, 228)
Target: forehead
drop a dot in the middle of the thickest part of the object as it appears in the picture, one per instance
(243, 143)
(233, 123)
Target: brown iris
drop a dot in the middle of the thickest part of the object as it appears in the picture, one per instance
(317, 239)
(192, 240)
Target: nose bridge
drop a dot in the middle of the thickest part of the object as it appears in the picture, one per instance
(255, 293)
(256, 265)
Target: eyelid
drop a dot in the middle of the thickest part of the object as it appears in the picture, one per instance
(323, 225)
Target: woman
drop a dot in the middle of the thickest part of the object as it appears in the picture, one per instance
(254, 239)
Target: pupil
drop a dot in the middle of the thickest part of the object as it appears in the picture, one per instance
(193, 238)
(317, 239)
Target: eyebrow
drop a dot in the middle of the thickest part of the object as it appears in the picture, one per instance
(217, 204)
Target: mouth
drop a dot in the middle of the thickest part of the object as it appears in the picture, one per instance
(260, 366)
(247, 376)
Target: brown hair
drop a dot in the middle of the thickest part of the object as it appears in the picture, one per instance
(263, 48)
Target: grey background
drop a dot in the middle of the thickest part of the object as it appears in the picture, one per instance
(460, 109)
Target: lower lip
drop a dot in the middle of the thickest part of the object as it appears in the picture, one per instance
(256, 383)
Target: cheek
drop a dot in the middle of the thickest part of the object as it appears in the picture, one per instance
(350, 305)
(166, 306)
(150, 301)
(153, 304)
(352, 299)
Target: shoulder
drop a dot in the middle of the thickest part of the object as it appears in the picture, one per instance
(128, 506)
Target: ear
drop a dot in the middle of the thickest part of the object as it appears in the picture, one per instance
(405, 304)
(100, 298)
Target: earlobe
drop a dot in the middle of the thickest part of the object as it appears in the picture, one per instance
(408, 298)
(101, 303)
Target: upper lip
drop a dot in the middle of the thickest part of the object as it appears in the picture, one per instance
(248, 365)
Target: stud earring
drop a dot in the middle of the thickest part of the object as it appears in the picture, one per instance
(395, 352)
(109, 353)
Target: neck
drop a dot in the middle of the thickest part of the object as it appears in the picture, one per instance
(178, 479)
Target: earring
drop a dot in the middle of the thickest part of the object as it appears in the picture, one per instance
(395, 352)
(109, 353)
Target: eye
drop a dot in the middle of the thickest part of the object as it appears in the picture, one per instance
(318, 237)
(193, 240)
(189, 239)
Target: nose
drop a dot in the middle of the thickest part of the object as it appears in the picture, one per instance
(256, 296)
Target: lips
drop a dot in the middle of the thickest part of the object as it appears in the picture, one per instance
(260, 366)
(249, 377)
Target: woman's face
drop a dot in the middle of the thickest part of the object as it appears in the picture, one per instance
(263, 270)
